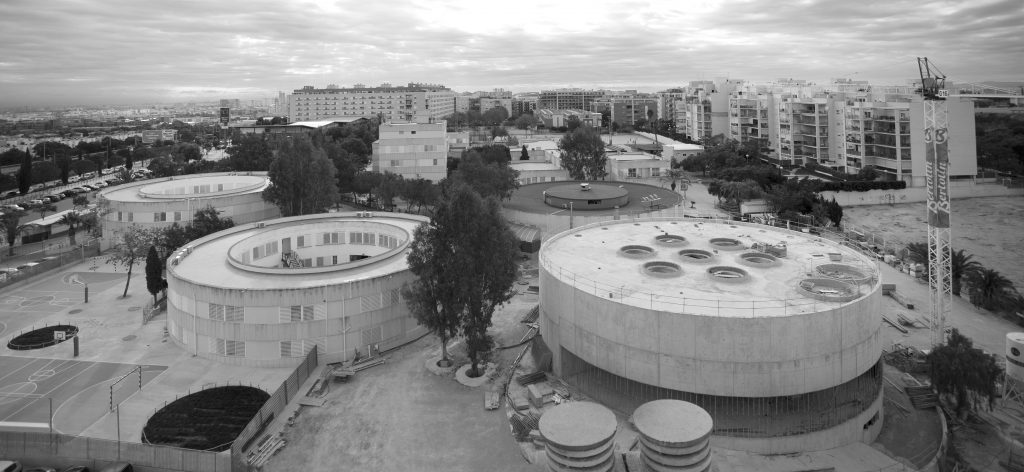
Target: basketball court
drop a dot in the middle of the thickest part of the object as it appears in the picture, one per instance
(78, 393)
(23, 307)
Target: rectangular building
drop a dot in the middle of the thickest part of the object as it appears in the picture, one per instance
(415, 102)
(412, 150)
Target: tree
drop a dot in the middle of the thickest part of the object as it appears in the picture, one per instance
(45, 208)
(990, 290)
(162, 167)
(524, 155)
(464, 260)
(495, 116)
(25, 174)
(526, 121)
(71, 220)
(962, 265)
(573, 122)
(185, 152)
(495, 179)
(128, 249)
(420, 192)
(63, 162)
(964, 372)
(154, 273)
(250, 153)
(583, 154)
(302, 179)
(45, 171)
(207, 221)
(80, 201)
(918, 253)
(9, 220)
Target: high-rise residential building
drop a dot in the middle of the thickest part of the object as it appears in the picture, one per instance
(412, 150)
(803, 131)
(524, 103)
(414, 102)
(576, 99)
(748, 117)
(627, 108)
(707, 108)
(667, 101)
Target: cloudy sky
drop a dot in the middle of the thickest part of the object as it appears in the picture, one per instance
(130, 51)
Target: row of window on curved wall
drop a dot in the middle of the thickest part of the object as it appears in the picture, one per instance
(158, 217)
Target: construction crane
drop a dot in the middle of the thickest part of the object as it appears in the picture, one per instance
(936, 141)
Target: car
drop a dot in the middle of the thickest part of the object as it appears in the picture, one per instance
(66, 194)
(11, 194)
(41, 469)
(90, 188)
(12, 207)
(36, 202)
(10, 271)
(10, 466)
(100, 184)
(118, 467)
(55, 197)
(74, 179)
(27, 265)
(77, 190)
(76, 468)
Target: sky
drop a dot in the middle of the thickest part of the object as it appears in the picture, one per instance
(64, 52)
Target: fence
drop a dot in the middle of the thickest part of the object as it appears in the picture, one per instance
(52, 259)
(57, 449)
(274, 405)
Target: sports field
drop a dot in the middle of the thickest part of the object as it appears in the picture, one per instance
(23, 307)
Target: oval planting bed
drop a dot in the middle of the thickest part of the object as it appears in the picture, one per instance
(208, 420)
(43, 337)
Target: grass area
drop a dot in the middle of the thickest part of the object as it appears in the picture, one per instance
(42, 337)
(207, 420)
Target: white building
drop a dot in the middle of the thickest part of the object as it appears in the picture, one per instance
(264, 294)
(415, 102)
(412, 150)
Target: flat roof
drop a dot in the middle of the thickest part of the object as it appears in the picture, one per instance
(180, 187)
(325, 122)
(208, 263)
(594, 259)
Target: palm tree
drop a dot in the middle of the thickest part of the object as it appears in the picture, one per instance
(918, 253)
(990, 290)
(962, 265)
(72, 220)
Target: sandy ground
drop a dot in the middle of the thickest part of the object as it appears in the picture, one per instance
(990, 228)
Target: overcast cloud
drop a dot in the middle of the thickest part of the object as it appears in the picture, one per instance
(132, 51)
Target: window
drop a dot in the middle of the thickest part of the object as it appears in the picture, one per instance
(435, 162)
(297, 313)
(300, 241)
(224, 347)
(119, 216)
(395, 163)
(131, 216)
(160, 216)
(177, 216)
(412, 132)
(631, 173)
(334, 260)
(655, 172)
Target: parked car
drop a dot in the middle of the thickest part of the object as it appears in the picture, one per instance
(27, 265)
(100, 184)
(118, 467)
(12, 207)
(76, 468)
(11, 194)
(67, 194)
(41, 469)
(10, 466)
(90, 188)
(35, 202)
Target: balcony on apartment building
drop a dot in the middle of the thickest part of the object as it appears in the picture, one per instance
(890, 164)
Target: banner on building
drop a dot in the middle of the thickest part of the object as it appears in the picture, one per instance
(225, 115)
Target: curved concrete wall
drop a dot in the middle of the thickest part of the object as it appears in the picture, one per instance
(243, 208)
(726, 356)
(342, 318)
(863, 428)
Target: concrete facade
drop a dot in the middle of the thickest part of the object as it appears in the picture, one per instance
(159, 203)
(412, 150)
(616, 297)
(264, 294)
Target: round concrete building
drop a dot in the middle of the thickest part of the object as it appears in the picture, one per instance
(263, 294)
(161, 202)
(776, 334)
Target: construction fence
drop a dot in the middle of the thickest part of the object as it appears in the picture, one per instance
(62, 450)
(277, 402)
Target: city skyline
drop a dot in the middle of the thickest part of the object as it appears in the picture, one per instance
(119, 52)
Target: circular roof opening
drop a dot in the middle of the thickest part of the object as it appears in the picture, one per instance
(830, 290)
(726, 244)
(636, 251)
(728, 274)
(698, 256)
(758, 259)
(670, 240)
(843, 272)
(662, 269)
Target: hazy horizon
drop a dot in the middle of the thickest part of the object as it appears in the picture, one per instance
(122, 52)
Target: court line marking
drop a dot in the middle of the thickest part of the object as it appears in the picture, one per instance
(54, 389)
(106, 410)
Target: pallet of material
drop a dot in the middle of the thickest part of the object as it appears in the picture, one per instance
(895, 324)
(267, 449)
(900, 299)
(533, 378)
(367, 364)
(492, 400)
(922, 397)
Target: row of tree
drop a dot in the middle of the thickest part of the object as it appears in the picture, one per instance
(986, 288)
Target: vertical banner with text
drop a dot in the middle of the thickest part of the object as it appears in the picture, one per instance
(936, 144)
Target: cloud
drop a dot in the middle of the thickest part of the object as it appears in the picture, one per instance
(90, 51)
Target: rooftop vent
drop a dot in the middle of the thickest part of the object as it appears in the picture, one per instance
(662, 269)
(728, 274)
(636, 251)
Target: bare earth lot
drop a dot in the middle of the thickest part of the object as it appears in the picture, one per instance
(990, 228)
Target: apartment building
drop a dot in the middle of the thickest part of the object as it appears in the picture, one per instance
(706, 108)
(667, 101)
(748, 117)
(414, 102)
(627, 109)
(560, 118)
(575, 99)
(412, 150)
(487, 103)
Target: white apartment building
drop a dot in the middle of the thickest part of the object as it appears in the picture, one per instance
(412, 150)
(487, 103)
(706, 109)
(414, 102)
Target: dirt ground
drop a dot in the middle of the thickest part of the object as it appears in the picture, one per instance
(990, 228)
(399, 416)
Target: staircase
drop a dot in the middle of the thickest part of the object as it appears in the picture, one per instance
(291, 260)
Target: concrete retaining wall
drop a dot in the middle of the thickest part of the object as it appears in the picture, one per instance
(957, 190)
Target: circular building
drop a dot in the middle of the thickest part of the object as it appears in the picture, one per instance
(161, 202)
(586, 196)
(738, 321)
(264, 294)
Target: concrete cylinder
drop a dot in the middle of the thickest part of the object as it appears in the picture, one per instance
(674, 436)
(579, 437)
